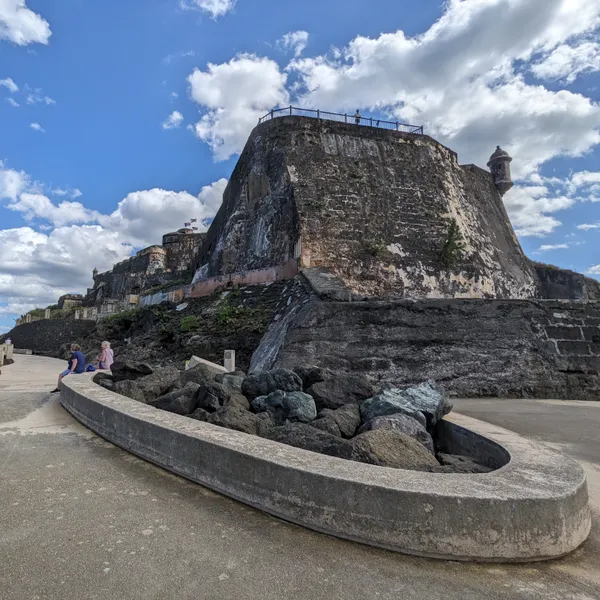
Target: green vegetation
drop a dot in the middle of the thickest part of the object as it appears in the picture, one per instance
(37, 312)
(189, 323)
(164, 287)
(454, 247)
(375, 247)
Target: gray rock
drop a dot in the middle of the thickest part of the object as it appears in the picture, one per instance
(301, 435)
(238, 400)
(199, 374)
(264, 423)
(327, 424)
(130, 389)
(341, 388)
(403, 423)
(162, 402)
(426, 403)
(309, 375)
(200, 415)
(187, 401)
(207, 400)
(232, 381)
(287, 406)
(125, 370)
(104, 380)
(263, 384)
(150, 387)
(388, 448)
(455, 463)
(347, 418)
(237, 419)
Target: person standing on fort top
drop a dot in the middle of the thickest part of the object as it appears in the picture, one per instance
(106, 359)
(76, 365)
(357, 117)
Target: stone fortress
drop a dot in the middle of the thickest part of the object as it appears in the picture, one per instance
(152, 268)
(403, 264)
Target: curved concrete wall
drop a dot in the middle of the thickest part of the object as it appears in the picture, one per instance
(534, 508)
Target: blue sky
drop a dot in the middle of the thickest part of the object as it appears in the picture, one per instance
(120, 119)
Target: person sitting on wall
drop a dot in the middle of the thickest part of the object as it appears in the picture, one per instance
(106, 359)
(76, 365)
(357, 117)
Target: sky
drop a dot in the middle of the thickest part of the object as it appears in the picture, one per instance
(121, 120)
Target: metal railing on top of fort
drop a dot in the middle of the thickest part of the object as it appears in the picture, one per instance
(291, 111)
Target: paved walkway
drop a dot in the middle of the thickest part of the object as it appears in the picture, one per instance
(81, 519)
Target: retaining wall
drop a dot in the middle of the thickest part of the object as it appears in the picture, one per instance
(533, 508)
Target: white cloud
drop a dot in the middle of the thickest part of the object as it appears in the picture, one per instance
(13, 102)
(215, 8)
(235, 95)
(37, 268)
(20, 25)
(588, 226)
(36, 96)
(143, 217)
(547, 247)
(38, 206)
(568, 62)
(294, 41)
(37, 127)
(174, 120)
(9, 84)
(595, 270)
(72, 193)
(530, 209)
(12, 183)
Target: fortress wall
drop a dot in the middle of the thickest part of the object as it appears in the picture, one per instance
(374, 206)
(474, 348)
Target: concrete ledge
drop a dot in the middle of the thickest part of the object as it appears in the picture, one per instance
(533, 508)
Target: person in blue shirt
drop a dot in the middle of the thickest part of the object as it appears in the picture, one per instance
(76, 365)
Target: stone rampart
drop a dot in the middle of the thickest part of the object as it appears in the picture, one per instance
(376, 207)
(474, 348)
(45, 337)
(506, 515)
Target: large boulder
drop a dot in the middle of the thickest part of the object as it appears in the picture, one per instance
(287, 406)
(196, 361)
(187, 401)
(309, 375)
(404, 424)
(150, 387)
(341, 388)
(129, 388)
(199, 374)
(301, 435)
(239, 420)
(327, 424)
(347, 418)
(200, 415)
(164, 401)
(105, 380)
(263, 384)
(388, 448)
(231, 381)
(124, 370)
(238, 400)
(207, 400)
(426, 403)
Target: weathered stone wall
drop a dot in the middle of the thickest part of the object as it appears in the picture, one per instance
(150, 267)
(565, 284)
(374, 206)
(47, 336)
(513, 348)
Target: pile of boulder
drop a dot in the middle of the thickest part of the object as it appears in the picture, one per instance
(336, 413)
